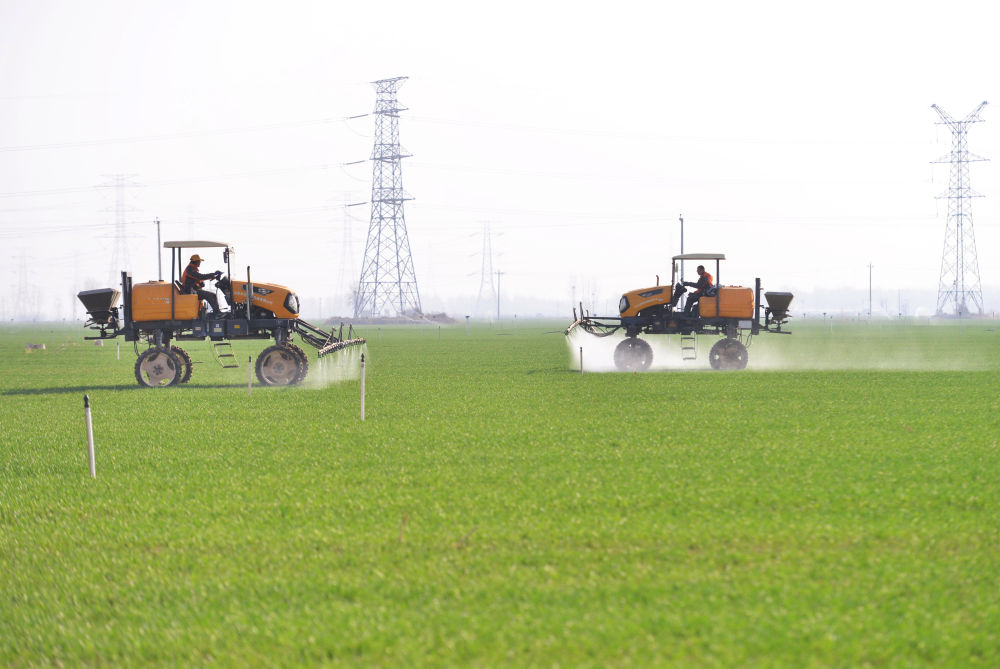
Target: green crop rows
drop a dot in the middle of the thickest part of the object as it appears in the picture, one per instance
(835, 504)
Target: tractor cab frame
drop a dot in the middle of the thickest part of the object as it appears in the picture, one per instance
(177, 263)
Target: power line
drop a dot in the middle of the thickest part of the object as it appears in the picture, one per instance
(625, 134)
(179, 181)
(156, 138)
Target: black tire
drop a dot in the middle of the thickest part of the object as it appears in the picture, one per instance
(303, 359)
(157, 368)
(728, 354)
(633, 355)
(280, 366)
(187, 365)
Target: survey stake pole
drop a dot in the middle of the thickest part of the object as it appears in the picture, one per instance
(581, 360)
(362, 386)
(249, 374)
(90, 436)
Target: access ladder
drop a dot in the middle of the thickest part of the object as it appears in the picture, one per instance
(223, 351)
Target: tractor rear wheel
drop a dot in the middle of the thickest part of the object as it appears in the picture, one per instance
(187, 365)
(157, 367)
(281, 366)
(728, 354)
(633, 355)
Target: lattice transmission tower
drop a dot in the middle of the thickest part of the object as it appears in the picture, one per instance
(388, 284)
(120, 254)
(22, 298)
(959, 290)
(487, 291)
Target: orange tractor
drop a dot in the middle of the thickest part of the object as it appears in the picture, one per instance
(730, 311)
(160, 313)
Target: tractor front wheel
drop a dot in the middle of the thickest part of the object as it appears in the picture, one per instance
(281, 365)
(633, 355)
(303, 361)
(728, 354)
(158, 367)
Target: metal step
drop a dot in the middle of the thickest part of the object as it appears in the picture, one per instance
(689, 347)
(223, 351)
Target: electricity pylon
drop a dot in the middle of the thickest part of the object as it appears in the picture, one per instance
(388, 284)
(486, 287)
(120, 255)
(959, 290)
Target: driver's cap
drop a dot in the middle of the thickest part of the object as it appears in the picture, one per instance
(196, 258)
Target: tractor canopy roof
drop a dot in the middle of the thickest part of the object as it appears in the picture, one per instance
(700, 256)
(196, 244)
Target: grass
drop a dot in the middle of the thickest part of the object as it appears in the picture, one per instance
(496, 508)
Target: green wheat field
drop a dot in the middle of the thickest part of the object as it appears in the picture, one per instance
(837, 503)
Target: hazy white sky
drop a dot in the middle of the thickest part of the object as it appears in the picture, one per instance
(795, 137)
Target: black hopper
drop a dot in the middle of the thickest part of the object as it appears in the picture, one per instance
(99, 303)
(777, 304)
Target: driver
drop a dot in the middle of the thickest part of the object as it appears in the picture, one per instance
(192, 282)
(702, 287)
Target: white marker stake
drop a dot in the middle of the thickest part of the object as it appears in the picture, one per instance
(581, 360)
(90, 436)
(249, 374)
(362, 386)
(118, 350)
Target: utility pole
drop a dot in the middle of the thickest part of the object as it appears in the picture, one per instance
(681, 217)
(159, 254)
(499, 274)
(958, 287)
(869, 292)
(348, 267)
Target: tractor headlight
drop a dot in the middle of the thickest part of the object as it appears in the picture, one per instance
(292, 303)
(623, 305)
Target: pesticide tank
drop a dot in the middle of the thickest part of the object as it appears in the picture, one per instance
(733, 302)
(151, 301)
